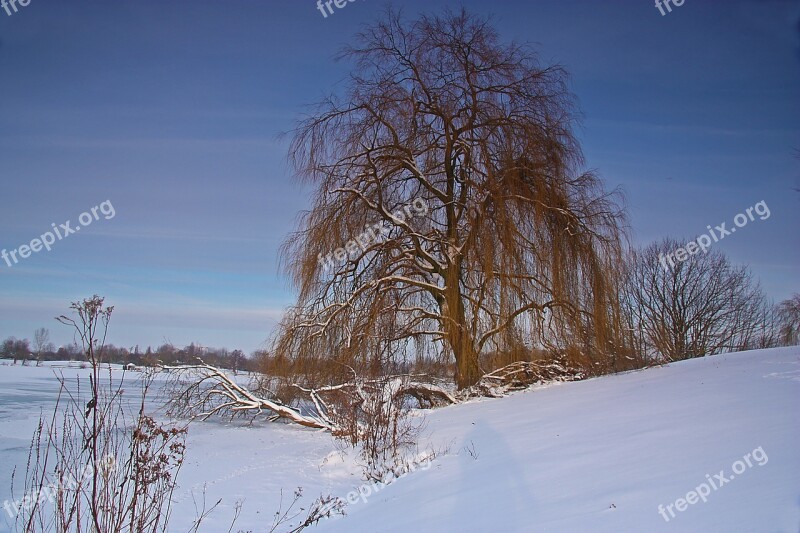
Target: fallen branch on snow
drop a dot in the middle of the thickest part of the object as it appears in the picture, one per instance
(202, 391)
(210, 391)
(521, 375)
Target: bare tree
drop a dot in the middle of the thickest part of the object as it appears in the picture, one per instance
(516, 242)
(40, 339)
(701, 306)
(16, 349)
(789, 316)
(8, 350)
(766, 319)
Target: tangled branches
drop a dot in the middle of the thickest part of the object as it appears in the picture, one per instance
(201, 391)
(521, 375)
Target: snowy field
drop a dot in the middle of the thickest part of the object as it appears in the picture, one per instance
(599, 455)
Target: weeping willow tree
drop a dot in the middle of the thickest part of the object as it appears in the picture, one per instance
(451, 213)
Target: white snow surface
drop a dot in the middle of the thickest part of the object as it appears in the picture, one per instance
(598, 455)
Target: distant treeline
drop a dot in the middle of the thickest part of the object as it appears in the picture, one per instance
(25, 352)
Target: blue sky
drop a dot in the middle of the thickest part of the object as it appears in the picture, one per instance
(171, 111)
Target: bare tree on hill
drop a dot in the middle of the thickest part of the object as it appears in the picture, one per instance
(789, 314)
(701, 306)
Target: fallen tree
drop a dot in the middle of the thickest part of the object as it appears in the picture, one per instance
(200, 391)
(369, 413)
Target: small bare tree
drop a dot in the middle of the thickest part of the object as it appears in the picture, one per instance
(515, 239)
(40, 339)
(789, 316)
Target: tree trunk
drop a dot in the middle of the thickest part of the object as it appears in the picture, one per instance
(467, 370)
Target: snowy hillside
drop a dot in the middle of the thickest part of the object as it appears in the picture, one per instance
(602, 455)
(598, 455)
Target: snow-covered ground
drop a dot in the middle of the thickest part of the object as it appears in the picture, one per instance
(598, 455)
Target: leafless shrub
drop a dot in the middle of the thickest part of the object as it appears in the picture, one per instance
(470, 449)
(127, 489)
(283, 516)
(322, 507)
(376, 417)
(99, 465)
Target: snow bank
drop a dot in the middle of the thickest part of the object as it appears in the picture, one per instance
(597, 455)
(602, 455)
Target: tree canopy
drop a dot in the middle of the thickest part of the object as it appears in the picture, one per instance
(518, 241)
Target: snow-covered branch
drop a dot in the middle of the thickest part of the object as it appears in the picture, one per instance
(201, 391)
(207, 391)
(521, 375)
